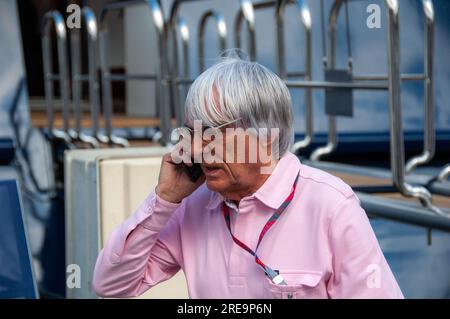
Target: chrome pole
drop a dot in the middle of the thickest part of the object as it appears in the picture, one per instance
(395, 107)
(221, 29)
(162, 78)
(429, 139)
(305, 19)
(331, 145)
(60, 28)
(178, 25)
(444, 174)
(246, 12)
(77, 77)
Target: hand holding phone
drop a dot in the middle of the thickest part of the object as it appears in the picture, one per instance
(194, 172)
(178, 180)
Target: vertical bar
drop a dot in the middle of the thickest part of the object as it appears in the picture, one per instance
(395, 107)
(305, 19)
(186, 67)
(179, 25)
(221, 31)
(279, 17)
(429, 138)
(58, 23)
(163, 76)
(63, 68)
(106, 82)
(48, 71)
(76, 72)
(94, 97)
(246, 11)
(331, 64)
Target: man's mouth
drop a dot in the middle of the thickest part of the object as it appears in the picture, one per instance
(211, 169)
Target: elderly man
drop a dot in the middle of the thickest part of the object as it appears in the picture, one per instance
(246, 227)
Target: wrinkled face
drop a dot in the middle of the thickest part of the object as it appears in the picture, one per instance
(233, 160)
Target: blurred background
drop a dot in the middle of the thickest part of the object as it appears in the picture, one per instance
(89, 91)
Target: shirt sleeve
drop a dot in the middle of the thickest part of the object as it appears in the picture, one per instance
(359, 267)
(141, 252)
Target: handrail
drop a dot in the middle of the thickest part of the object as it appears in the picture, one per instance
(221, 28)
(397, 153)
(178, 24)
(330, 63)
(90, 22)
(162, 78)
(246, 12)
(429, 138)
(305, 19)
(395, 106)
(444, 173)
(60, 28)
(184, 31)
(427, 77)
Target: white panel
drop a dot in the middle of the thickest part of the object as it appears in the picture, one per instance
(124, 184)
(103, 187)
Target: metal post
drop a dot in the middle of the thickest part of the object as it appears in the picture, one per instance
(221, 28)
(178, 24)
(429, 139)
(395, 107)
(246, 12)
(444, 174)
(182, 27)
(162, 77)
(90, 23)
(60, 28)
(331, 64)
(305, 19)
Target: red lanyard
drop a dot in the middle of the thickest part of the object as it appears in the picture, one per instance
(226, 213)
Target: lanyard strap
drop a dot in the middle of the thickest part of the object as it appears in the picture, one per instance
(226, 213)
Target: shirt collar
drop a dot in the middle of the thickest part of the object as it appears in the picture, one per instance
(275, 189)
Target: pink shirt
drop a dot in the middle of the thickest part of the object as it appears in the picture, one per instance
(322, 245)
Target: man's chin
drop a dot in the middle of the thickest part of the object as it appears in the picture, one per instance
(215, 185)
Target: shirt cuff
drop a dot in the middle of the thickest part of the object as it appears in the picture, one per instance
(156, 212)
(166, 204)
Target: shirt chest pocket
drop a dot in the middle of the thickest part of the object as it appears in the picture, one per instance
(300, 285)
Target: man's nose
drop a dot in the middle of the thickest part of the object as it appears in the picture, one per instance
(197, 147)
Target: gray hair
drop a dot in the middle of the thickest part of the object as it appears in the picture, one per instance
(238, 89)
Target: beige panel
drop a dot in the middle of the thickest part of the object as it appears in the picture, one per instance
(117, 180)
(124, 184)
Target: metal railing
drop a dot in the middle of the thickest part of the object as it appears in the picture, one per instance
(397, 154)
(178, 25)
(427, 77)
(90, 23)
(55, 18)
(444, 174)
(161, 77)
(429, 138)
(305, 19)
(221, 29)
(172, 79)
(246, 13)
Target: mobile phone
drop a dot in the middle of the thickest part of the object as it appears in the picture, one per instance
(194, 172)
